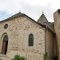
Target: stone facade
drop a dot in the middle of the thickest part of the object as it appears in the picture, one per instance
(18, 31)
(49, 44)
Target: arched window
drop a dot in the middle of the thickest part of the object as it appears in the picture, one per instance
(5, 38)
(31, 40)
(4, 44)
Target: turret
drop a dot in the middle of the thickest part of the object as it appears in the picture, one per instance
(57, 29)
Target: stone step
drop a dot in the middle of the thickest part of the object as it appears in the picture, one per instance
(2, 56)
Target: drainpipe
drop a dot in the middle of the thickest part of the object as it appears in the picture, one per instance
(45, 43)
(45, 38)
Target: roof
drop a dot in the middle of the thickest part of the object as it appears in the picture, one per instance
(43, 23)
(50, 25)
(14, 16)
(43, 20)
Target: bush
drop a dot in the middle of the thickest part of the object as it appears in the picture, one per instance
(45, 56)
(18, 57)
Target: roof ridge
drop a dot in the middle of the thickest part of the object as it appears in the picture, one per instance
(13, 16)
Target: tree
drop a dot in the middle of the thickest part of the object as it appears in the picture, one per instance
(18, 57)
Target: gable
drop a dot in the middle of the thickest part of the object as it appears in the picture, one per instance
(22, 16)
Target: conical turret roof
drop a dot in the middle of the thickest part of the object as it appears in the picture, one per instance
(42, 19)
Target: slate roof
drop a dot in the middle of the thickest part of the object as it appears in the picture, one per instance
(14, 16)
(43, 20)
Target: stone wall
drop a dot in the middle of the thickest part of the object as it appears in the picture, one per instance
(57, 30)
(49, 44)
(18, 32)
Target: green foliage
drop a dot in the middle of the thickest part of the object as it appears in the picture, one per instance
(45, 56)
(18, 57)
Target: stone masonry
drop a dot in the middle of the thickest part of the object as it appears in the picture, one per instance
(20, 26)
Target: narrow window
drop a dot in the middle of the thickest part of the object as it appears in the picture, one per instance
(31, 40)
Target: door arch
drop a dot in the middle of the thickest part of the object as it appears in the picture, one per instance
(4, 44)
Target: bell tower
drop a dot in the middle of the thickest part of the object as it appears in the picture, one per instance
(57, 29)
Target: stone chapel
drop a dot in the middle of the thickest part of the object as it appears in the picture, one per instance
(22, 35)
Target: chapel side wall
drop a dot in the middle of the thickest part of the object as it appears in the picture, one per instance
(18, 32)
(49, 44)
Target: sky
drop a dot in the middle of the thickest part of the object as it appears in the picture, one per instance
(32, 8)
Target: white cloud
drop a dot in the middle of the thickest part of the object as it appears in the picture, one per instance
(11, 6)
(32, 8)
(37, 2)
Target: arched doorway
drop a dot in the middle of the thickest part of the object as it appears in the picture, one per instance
(4, 44)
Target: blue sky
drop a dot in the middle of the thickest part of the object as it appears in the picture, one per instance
(4, 15)
(32, 8)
